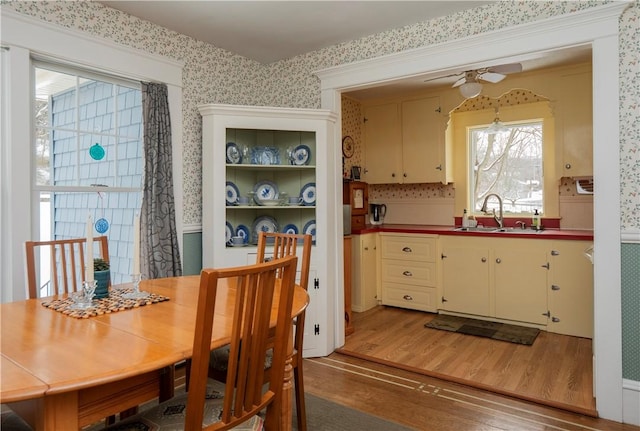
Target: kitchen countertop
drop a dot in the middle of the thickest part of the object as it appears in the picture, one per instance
(568, 234)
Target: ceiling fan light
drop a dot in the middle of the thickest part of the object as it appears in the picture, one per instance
(470, 90)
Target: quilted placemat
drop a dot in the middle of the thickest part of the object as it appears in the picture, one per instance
(113, 303)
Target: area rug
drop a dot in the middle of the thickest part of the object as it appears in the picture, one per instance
(325, 415)
(481, 328)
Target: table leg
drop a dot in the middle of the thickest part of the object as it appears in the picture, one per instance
(51, 413)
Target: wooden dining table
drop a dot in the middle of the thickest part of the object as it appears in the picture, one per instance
(62, 373)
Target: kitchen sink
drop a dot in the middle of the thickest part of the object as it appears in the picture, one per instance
(506, 230)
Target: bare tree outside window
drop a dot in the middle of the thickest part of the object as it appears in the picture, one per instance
(509, 164)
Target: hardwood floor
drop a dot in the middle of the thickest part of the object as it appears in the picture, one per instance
(556, 370)
(430, 404)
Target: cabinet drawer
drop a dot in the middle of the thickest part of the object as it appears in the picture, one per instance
(414, 273)
(424, 299)
(358, 222)
(409, 248)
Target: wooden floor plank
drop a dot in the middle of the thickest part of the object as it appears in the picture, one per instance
(424, 403)
(556, 370)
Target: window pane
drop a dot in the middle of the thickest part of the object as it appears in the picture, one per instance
(88, 131)
(509, 164)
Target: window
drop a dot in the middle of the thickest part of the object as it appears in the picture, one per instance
(508, 163)
(88, 159)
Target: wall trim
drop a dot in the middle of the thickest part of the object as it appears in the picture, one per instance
(631, 402)
(630, 236)
(192, 228)
(48, 39)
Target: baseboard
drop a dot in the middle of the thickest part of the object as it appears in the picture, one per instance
(631, 402)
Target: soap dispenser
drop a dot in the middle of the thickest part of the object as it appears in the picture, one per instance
(465, 218)
(535, 220)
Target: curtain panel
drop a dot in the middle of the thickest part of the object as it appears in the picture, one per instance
(159, 251)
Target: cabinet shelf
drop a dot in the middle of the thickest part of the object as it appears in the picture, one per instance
(270, 167)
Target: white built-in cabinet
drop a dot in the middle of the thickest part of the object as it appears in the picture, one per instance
(404, 142)
(248, 149)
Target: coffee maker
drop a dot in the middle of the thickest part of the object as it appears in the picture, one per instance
(377, 213)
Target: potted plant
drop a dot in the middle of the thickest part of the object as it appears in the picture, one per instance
(102, 275)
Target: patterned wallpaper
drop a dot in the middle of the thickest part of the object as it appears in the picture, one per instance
(213, 75)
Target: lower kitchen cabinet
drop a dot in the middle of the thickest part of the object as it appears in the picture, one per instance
(408, 271)
(547, 283)
(520, 269)
(364, 258)
(570, 289)
(465, 275)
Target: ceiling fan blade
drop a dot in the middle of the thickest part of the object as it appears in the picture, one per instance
(506, 68)
(491, 77)
(459, 82)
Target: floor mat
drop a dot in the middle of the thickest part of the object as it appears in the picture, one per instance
(482, 328)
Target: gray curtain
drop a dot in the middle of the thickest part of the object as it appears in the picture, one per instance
(159, 252)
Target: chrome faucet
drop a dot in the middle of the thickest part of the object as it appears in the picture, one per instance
(499, 219)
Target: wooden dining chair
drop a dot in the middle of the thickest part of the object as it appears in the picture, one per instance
(245, 394)
(67, 265)
(275, 246)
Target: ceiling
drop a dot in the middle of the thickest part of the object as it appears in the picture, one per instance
(268, 31)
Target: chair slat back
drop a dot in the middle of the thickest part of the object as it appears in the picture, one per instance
(285, 244)
(254, 299)
(67, 264)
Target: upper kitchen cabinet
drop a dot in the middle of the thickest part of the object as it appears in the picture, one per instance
(404, 142)
(383, 151)
(575, 130)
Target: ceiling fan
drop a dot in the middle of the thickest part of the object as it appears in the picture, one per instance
(469, 80)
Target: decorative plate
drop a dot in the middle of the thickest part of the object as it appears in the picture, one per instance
(243, 231)
(102, 225)
(265, 156)
(265, 190)
(348, 147)
(291, 229)
(231, 193)
(310, 228)
(301, 155)
(308, 194)
(263, 224)
(228, 233)
(234, 155)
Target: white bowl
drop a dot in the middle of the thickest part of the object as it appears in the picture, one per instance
(269, 202)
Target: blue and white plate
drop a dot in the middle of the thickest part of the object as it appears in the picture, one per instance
(310, 228)
(231, 193)
(228, 233)
(265, 156)
(263, 224)
(301, 155)
(266, 190)
(243, 231)
(234, 155)
(290, 229)
(308, 194)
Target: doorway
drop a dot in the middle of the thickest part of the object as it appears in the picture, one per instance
(504, 46)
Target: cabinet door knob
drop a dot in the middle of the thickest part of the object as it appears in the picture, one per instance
(366, 248)
(393, 175)
(484, 259)
(498, 260)
(567, 166)
(407, 297)
(404, 175)
(555, 319)
(407, 274)
(555, 287)
(407, 249)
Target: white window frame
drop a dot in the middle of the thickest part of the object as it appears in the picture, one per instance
(26, 37)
